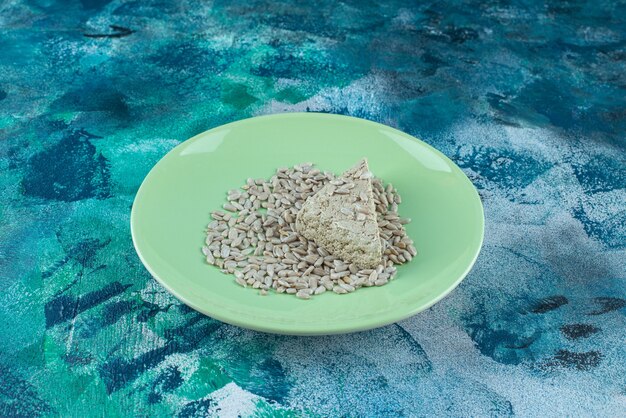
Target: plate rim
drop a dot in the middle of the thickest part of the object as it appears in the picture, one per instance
(277, 329)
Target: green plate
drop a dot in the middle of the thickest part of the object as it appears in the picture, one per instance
(171, 211)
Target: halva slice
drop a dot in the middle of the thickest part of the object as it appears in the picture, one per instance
(341, 218)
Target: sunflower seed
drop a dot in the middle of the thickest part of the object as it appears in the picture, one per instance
(347, 287)
(339, 290)
(289, 238)
(319, 290)
(338, 275)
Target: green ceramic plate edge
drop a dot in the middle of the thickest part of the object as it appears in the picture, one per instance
(222, 311)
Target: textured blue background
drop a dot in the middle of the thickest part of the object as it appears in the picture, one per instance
(529, 99)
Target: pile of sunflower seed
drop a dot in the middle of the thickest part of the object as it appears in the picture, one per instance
(255, 239)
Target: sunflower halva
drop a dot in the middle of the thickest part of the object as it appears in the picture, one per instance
(341, 218)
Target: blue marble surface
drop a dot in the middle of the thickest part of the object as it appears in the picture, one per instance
(528, 98)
